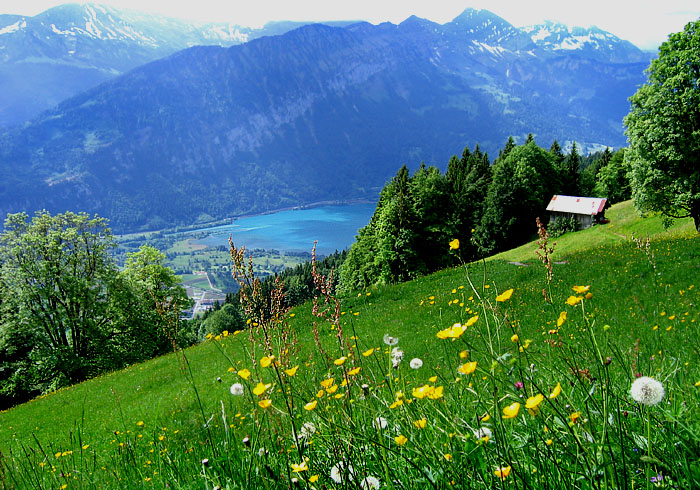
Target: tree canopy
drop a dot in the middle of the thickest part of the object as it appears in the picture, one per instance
(68, 312)
(663, 128)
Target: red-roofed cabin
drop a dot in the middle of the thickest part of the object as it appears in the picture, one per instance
(586, 210)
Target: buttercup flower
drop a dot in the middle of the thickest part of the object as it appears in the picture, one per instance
(511, 411)
(502, 472)
(291, 371)
(581, 289)
(467, 368)
(505, 295)
(533, 403)
(574, 300)
(454, 244)
(556, 391)
(647, 391)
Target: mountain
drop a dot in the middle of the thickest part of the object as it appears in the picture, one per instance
(319, 113)
(67, 49)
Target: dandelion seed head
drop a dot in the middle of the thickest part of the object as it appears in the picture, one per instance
(483, 432)
(389, 340)
(416, 363)
(370, 483)
(237, 389)
(647, 391)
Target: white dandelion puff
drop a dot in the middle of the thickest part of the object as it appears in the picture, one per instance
(237, 389)
(370, 483)
(483, 432)
(389, 340)
(339, 473)
(396, 357)
(307, 430)
(416, 363)
(647, 391)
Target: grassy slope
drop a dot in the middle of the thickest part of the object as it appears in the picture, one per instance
(627, 296)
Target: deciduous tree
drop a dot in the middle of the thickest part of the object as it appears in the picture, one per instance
(663, 128)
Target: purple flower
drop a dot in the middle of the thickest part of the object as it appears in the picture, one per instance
(519, 385)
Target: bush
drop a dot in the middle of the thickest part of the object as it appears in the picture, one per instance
(562, 226)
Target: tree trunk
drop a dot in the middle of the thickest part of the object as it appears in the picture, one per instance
(695, 214)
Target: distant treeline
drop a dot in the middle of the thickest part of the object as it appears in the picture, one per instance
(488, 206)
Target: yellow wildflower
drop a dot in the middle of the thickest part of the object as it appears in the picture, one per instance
(467, 367)
(471, 321)
(574, 300)
(454, 244)
(354, 371)
(298, 468)
(244, 373)
(502, 472)
(326, 383)
(368, 352)
(505, 295)
(311, 405)
(260, 389)
(432, 379)
(581, 289)
(340, 361)
(574, 417)
(265, 403)
(514, 338)
(436, 393)
(511, 411)
(561, 319)
(313, 479)
(453, 332)
(556, 391)
(464, 354)
(291, 371)
(533, 403)
(401, 440)
(266, 361)
(420, 424)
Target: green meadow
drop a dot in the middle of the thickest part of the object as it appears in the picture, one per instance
(486, 375)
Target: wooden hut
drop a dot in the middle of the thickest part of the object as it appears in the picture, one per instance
(586, 210)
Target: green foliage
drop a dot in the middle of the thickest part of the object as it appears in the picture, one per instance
(562, 226)
(416, 218)
(613, 180)
(663, 128)
(67, 312)
(523, 183)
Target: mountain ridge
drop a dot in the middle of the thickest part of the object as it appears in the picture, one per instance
(318, 113)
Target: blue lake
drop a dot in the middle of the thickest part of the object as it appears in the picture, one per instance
(295, 230)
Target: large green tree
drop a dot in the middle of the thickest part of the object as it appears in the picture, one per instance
(663, 128)
(67, 312)
(56, 272)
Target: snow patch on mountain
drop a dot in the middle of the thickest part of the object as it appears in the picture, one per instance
(20, 24)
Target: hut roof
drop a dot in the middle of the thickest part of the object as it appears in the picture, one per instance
(577, 205)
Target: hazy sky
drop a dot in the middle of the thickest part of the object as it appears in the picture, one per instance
(645, 23)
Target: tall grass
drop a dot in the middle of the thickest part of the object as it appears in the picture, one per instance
(470, 378)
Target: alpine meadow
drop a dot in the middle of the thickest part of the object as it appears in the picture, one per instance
(520, 311)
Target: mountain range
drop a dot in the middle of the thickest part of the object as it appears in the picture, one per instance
(318, 113)
(67, 49)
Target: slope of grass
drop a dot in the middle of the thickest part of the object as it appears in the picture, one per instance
(155, 423)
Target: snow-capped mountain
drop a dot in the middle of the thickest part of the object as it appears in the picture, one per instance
(319, 113)
(592, 42)
(58, 53)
